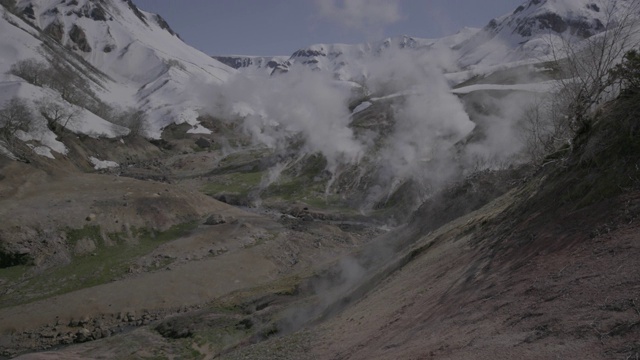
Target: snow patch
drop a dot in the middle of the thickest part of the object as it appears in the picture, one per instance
(42, 151)
(102, 164)
(4, 151)
(199, 129)
(44, 137)
(541, 87)
(365, 105)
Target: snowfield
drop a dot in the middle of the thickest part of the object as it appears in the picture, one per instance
(541, 87)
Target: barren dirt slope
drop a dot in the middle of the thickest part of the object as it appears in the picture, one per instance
(562, 284)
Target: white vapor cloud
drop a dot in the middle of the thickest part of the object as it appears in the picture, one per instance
(361, 15)
(302, 104)
(428, 120)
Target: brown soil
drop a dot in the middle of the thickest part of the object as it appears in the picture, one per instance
(562, 284)
(569, 287)
(38, 205)
(559, 284)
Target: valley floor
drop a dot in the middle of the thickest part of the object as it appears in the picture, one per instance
(120, 265)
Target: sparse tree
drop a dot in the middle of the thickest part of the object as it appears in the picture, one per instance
(585, 67)
(587, 77)
(31, 70)
(135, 120)
(102, 109)
(174, 63)
(543, 127)
(71, 87)
(58, 76)
(57, 115)
(8, 4)
(15, 115)
(138, 123)
(627, 73)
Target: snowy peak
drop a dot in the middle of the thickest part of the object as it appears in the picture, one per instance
(535, 27)
(98, 10)
(526, 34)
(157, 19)
(84, 25)
(580, 18)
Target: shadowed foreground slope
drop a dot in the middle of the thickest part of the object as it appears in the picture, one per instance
(548, 270)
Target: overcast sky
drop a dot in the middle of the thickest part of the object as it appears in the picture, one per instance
(279, 27)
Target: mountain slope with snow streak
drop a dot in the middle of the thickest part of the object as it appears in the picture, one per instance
(145, 63)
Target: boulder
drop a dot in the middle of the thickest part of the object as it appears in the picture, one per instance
(203, 143)
(215, 219)
(83, 335)
(78, 36)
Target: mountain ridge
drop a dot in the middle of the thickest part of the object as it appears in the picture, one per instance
(528, 33)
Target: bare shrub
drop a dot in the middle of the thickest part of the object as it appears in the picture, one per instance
(135, 120)
(60, 77)
(15, 115)
(544, 126)
(31, 70)
(174, 63)
(57, 115)
(71, 86)
(585, 77)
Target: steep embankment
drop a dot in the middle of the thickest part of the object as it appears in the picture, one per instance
(547, 270)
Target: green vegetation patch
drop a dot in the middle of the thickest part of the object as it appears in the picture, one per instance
(13, 273)
(109, 260)
(297, 189)
(234, 183)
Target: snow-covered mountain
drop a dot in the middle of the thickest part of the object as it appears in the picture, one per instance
(132, 57)
(349, 61)
(526, 34)
(534, 27)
